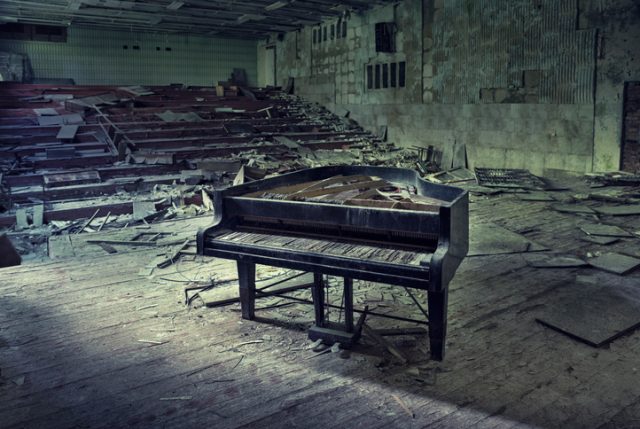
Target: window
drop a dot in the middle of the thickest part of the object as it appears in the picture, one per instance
(344, 29)
(315, 36)
(333, 31)
(385, 75)
(339, 29)
(393, 74)
(385, 35)
(324, 34)
(46, 33)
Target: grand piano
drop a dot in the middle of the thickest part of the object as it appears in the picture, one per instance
(377, 224)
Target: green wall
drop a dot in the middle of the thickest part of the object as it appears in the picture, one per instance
(95, 56)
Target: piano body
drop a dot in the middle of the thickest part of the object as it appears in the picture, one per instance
(378, 224)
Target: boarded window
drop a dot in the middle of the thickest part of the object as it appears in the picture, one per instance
(401, 74)
(393, 74)
(385, 75)
(370, 77)
(377, 76)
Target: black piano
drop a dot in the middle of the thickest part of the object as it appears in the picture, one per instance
(378, 224)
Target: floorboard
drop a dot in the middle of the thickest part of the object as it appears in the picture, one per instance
(71, 355)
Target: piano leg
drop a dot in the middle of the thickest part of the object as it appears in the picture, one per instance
(247, 281)
(318, 298)
(437, 323)
(348, 304)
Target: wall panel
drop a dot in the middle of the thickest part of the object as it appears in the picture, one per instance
(95, 56)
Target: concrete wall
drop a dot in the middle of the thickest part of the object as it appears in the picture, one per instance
(92, 56)
(513, 79)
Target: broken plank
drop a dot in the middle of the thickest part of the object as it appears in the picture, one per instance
(67, 132)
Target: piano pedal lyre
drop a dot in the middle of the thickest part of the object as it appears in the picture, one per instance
(331, 332)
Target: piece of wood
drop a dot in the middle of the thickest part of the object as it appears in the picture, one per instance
(106, 219)
(67, 132)
(22, 221)
(175, 254)
(123, 242)
(88, 222)
(386, 344)
(38, 215)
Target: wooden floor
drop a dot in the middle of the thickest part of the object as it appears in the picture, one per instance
(90, 342)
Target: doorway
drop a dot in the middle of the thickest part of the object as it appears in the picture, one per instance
(631, 128)
(270, 66)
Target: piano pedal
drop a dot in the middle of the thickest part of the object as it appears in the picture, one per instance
(333, 333)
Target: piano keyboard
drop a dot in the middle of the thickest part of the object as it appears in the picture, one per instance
(344, 249)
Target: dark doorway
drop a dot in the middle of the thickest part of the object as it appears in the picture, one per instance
(631, 128)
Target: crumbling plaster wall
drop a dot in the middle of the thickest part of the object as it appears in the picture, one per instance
(515, 80)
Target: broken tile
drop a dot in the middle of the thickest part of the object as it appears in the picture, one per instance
(536, 196)
(553, 261)
(597, 239)
(578, 311)
(491, 239)
(572, 208)
(626, 210)
(615, 263)
(605, 230)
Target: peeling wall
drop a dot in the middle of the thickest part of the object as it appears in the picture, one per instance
(513, 79)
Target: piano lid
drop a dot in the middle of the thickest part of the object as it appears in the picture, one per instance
(358, 190)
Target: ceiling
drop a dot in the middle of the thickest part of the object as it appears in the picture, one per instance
(247, 19)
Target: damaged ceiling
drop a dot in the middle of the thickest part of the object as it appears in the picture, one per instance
(253, 19)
